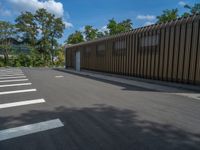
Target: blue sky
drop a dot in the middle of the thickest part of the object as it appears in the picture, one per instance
(78, 13)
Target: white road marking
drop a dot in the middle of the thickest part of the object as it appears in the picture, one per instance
(10, 85)
(59, 76)
(190, 95)
(17, 80)
(11, 75)
(2, 78)
(17, 91)
(30, 129)
(10, 72)
(21, 103)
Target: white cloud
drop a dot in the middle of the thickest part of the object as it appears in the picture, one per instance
(146, 17)
(182, 3)
(68, 24)
(32, 5)
(148, 23)
(51, 6)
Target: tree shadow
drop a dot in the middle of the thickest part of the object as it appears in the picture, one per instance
(99, 127)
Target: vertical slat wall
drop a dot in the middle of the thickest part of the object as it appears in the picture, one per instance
(168, 51)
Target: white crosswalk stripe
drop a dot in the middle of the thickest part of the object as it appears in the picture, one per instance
(7, 76)
(3, 78)
(21, 103)
(30, 129)
(13, 80)
(11, 75)
(17, 91)
(11, 85)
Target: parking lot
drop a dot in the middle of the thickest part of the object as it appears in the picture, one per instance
(45, 109)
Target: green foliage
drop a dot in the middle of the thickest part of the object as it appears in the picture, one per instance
(168, 15)
(39, 31)
(115, 28)
(90, 33)
(1, 62)
(75, 38)
(7, 31)
(27, 26)
(193, 9)
(60, 57)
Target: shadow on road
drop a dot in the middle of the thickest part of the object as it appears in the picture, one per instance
(99, 127)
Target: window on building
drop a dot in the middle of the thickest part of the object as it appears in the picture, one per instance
(87, 51)
(149, 41)
(119, 47)
(101, 48)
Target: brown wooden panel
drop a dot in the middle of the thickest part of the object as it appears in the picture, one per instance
(138, 54)
(157, 53)
(161, 50)
(197, 69)
(111, 56)
(120, 65)
(187, 52)
(181, 51)
(129, 55)
(133, 54)
(149, 53)
(194, 45)
(176, 51)
(126, 57)
(165, 60)
(171, 52)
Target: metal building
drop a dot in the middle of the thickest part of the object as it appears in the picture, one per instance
(168, 51)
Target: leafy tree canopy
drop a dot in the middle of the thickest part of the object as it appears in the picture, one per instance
(75, 38)
(167, 15)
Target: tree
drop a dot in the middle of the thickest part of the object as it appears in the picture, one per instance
(100, 34)
(27, 26)
(127, 25)
(7, 31)
(193, 9)
(90, 33)
(75, 38)
(168, 15)
(115, 28)
(51, 28)
(56, 29)
(43, 19)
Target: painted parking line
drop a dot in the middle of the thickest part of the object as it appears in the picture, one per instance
(13, 80)
(59, 76)
(2, 78)
(11, 75)
(21, 103)
(11, 85)
(30, 129)
(17, 91)
(190, 95)
(11, 72)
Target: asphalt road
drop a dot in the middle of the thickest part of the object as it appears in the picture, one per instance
(80, 113)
